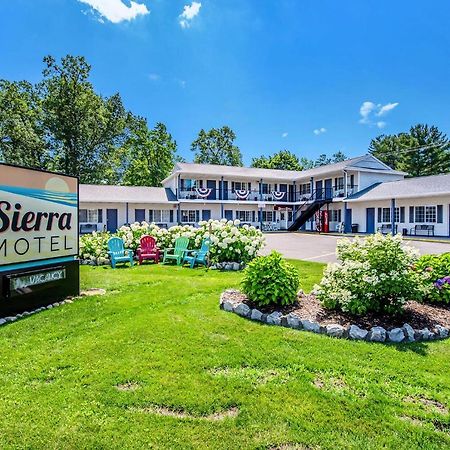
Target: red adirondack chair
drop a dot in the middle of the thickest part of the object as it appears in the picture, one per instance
(148, 249)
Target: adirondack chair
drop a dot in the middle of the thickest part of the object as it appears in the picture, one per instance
(147, 249)
(199, 256)
(118, 253)
(177, 253)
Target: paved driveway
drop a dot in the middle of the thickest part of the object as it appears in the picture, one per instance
(322, 248)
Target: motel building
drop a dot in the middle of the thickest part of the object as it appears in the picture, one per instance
(357, 195)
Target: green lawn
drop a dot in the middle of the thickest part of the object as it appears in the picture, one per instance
(159, 332)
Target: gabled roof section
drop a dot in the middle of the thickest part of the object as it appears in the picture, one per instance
(365, 162)
(431, 186)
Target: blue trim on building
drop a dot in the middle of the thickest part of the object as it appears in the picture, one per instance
(32, 264)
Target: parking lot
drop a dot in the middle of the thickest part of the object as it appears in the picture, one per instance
(322, 248)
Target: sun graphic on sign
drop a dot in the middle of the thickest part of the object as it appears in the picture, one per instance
(56, 184)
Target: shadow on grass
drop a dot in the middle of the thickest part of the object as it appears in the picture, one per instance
(420, 348)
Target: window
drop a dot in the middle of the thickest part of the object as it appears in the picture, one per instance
(268, 216)
(335, 215)
(189, 215)
(386, 215)
(419, 214)
(190, 184)
(339, 183)
(305, 188)
(240, 185)
(159, 215)
(244, 216)
(430, 214)
(89, 216)
(267, 188)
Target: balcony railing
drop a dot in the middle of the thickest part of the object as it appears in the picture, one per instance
(242, 195)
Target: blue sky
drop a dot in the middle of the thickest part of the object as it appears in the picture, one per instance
(312, 76)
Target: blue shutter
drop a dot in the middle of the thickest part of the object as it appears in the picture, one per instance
(379, 215)
(402, 214)
(411, 214)
(100, 216)
(171, 215)
(253, 216)
(440, 214)
(197, 216)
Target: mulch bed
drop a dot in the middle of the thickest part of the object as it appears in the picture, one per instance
(307, 307)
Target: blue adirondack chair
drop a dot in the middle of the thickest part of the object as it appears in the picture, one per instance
(199, 256)
(117, 252)
(177, 253)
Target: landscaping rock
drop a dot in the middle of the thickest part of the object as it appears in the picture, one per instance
(49, 306)
(310, 326)
(441, 331)
(357, 333)
(409, 332)
(236, 266)
(335, 330)
(274, 318)
(293, 321)
(69, 300)
(11, 318)
(256, 314)
(396, 335)
(242, 310)
(424, 335)
(2, 322)
(377, 334)
(227, 306)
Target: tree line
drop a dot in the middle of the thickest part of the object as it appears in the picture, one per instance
(62, 124)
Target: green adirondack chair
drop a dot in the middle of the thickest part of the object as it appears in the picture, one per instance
(199, 256)
(118, 253)
(176, 253)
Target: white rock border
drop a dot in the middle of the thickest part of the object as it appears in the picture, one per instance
(376, 334)
(228, 266)
(86, 293)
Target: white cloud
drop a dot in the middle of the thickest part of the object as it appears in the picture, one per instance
(318, 131)
(116, 10)
(285, 134)
(154, 76)
(369, 111)
(386, 108)
(182, 83)
(189, 12)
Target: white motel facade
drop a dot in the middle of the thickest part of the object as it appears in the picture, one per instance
(357, 195)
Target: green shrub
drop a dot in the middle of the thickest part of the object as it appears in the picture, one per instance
(271, 280)
(435, 270)
(375, 274)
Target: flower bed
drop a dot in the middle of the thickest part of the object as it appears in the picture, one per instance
(230, 242)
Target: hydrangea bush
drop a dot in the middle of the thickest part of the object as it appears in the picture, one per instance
(375, 274)
(230, 242)
(435, 270)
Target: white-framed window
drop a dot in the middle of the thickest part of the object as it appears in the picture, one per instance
(159, 215)
(419, 214)
(425, 214)
(430, 214)
(305, 188)
(335, 215)
(339, 183)
(241, 185)
(267, 188)
(188, 215)
(244, 216)
(386, 215)
(88, 215)
(189, 184)
(268, 216)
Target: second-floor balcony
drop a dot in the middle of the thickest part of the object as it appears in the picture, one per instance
(253, 195)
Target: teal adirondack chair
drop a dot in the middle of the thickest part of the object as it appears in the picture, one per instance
(177, 253)
(199, 256)
(117, 252)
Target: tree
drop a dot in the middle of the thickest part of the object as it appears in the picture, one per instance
(424, 150)
(150, 155)
(324, 160)
(22, 135)
(83, 127)
(282, 160)
(339, 156)
(216, 146)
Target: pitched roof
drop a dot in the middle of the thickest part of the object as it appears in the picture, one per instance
(91, 193)
(434, 185)
(367, 162)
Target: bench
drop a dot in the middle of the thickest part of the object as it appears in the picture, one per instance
(86, 228)
(386, 228)
(424, 230)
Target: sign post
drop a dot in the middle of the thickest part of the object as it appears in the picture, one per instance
(38, 238)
